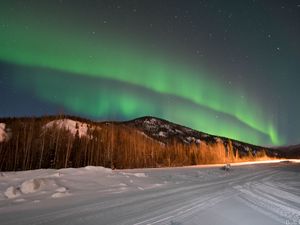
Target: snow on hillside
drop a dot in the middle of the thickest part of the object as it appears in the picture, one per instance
(4, 135)
(164, 129)
(2, 132)
(72, 125)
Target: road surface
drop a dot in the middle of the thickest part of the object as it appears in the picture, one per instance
(249, 194)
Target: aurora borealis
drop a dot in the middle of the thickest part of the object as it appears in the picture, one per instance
(94, 59)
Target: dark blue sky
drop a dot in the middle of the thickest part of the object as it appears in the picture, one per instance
(248, 51)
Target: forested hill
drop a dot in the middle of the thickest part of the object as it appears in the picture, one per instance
(67, 141)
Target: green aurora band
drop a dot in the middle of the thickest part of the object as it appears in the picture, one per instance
(108, 57)
(132, 101)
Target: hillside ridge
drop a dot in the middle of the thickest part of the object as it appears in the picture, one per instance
(69, 141)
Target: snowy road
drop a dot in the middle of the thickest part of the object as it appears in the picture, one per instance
(250, 194)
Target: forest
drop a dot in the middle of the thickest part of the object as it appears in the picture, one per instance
(33, 145)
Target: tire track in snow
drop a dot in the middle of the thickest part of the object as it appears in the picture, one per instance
(197, 205)
(174, 201)
(271, 201)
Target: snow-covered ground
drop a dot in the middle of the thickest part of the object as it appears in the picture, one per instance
(265, 193)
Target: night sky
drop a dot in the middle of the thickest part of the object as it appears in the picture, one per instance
(230, 68)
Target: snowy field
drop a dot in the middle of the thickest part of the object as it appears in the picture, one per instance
(258, 194)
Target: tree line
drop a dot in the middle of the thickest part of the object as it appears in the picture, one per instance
(112, 145)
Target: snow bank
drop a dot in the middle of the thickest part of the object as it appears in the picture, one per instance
(31, 186)
(12, 192)
(98, 169)
(140, 175)
(61, 189)
(20, 187)
(61, 192)
(60, 195)
(72, 125)
(55, 184)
